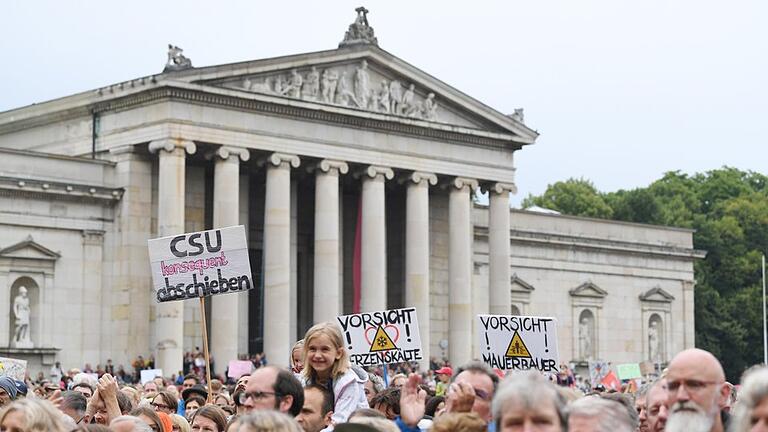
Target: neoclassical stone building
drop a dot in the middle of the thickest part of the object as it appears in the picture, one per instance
(310, 152)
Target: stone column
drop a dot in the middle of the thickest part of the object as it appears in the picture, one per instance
(498, 248)
(460, 270)
(373, 266)
(225, 318)
(169, 316)
(91, 345)
(417, 254)
(327, 293)
(277, 258)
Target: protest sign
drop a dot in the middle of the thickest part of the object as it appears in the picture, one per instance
(238, 368)
(629, 371)
(148, 375)
(200, 264)
(518, 342)
(382, 337)
(13, 368)
(598, 369)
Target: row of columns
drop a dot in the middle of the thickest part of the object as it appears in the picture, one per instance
(327, 263)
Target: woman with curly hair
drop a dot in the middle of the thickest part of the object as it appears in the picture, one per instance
(31, 415)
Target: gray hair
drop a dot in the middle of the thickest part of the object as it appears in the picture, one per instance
(378, 384)
(753, 390)
(267, 421)
(479, 368)
(643, 390)
(138, 424)
(611, 415)
(75, 401)
(528, 388)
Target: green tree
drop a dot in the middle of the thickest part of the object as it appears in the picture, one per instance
(577, 197)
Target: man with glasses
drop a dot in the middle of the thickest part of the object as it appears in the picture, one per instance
(472, 390)
(272, 388)
(696, 389)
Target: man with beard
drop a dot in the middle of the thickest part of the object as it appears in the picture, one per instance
(696, 390)
(656, 406)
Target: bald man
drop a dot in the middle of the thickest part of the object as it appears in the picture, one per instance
(656, 406)
(696, 389)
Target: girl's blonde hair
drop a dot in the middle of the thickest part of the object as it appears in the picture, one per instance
(333, 333)
(298, 345)
(39, 415)
(181, 422)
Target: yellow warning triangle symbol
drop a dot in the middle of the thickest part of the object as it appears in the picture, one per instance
(517, 347)
(382, 341)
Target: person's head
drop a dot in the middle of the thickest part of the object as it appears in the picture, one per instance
(100, 410)
(324, 353)
(751, 413)
(179, 423)
(597, 414)
(640, 406)
(387, 402)
(192, 404)
(373, 423)
(527, 398)
(696, 389)
(189, 381)
(165, 402)
(7, 390)
(625, 400)
(373, 386)
(266, 421)
(484, 381)
(297, 356)
(316, 413)
(150, 387)
(209, 418)
(128, 423)
(223, 401)
(31, 415)
(398, 380)
(273, 388)
(148, 416)
(464, 422)
(444, 374)
(216, 386)
(84, 388)
(132, 394)
(433, 405)
(73, 404)
(656, 406)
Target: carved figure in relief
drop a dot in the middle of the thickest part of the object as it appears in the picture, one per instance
(344, 92)
(373, 100)
(312, 84)
(384, 97)
(328, 85)
(279, 85)
(362, 84)
(293, 88)
(408, 106)
(585, 338)
(395, 96)
(262, 87)
(21, 314)
(430, 108)
(653, 342)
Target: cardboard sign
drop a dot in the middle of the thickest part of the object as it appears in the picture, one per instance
(629, 371)
(383, 337)
(13, 368)
(148, 375)
(200, 264)
(518, 342)
(238, 368)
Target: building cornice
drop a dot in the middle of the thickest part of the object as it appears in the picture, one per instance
(16, 187)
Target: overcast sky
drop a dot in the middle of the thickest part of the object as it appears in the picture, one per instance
(621, 91)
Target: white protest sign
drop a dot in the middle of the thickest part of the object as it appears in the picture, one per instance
(13, 368)
(148, 375)
(518, 342)
(200, 264)
(382, 337)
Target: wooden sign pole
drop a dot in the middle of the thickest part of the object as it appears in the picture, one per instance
(205, 350)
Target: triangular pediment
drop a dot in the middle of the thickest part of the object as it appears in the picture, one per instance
(657, 294)
(365, 80)
(588, 289)
(29, 249)
(519, 285)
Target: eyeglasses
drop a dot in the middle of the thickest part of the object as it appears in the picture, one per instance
(693, 386)
(257, 395)
(158, 406)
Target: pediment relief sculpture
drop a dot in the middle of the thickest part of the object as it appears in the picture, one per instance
(588, 289)
(350, 86)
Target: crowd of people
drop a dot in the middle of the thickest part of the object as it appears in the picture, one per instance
(323, 391)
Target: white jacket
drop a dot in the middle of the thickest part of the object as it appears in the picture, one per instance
(349, 394)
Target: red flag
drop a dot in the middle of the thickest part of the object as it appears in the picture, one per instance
(356, 259)
(611, 381)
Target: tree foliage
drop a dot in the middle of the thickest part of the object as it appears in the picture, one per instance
(728, 208)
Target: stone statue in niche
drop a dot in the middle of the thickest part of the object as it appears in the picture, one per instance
(328, 85)
(312, 84)
(176, 60)
(430, 107)
(21, 314)
(585, 338)
(362, 84)
(395, 97)
(653, 342)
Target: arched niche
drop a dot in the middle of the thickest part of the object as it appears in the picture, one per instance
(24, 283)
